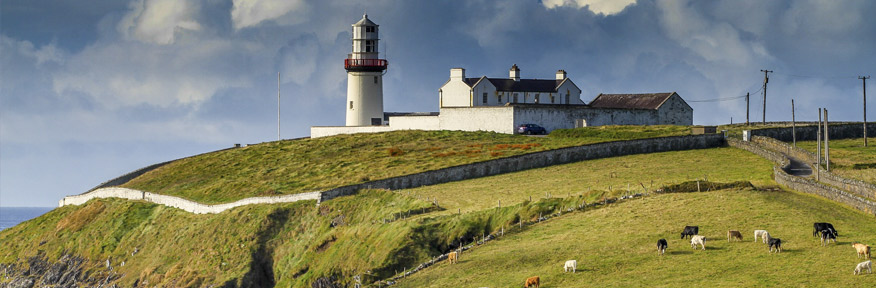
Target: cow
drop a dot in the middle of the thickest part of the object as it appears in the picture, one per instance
(661, 246)
(690, 231)
(531, 282)
(819, 226)
(860, 268)
(862, 250)
(734, 234)
(453, 257)
(570, 265)
(777, 243)
(763, 235)
(698, 240)
(826, 236)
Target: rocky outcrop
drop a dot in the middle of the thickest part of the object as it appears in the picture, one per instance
(67, 271)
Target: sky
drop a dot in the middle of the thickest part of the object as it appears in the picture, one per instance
(91, 92)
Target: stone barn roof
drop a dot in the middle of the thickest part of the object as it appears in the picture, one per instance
(651, 101)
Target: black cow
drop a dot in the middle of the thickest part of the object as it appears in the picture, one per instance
(826, 236)
(823, 226)
(661, 246)
(777, 243)
(690, 231)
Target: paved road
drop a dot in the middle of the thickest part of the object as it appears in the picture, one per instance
(799, 168)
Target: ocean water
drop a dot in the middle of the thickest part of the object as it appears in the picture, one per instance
(11, 216)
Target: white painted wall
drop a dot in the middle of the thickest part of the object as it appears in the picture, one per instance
(492, 118)
(324, 131)
(572, 90)
(366, 95)
(414, 123)
(455, 93)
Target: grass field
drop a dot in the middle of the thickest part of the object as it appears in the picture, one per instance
(849, 158)
(615, 246)
(290, 167)
(592, 178)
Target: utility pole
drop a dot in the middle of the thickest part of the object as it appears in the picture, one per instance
(766, 79)
(746, 109)
(278, 106)
(793, 124)
(864, 79)
(818, 157)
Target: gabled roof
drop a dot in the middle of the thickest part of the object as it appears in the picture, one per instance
(651, 101)
(524, 85)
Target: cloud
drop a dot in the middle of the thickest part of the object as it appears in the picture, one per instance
(605, 7)
(248, 13)
(157, 21)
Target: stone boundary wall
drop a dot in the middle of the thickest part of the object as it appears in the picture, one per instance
(810, 186)
(841, 130)
(180, 203)
(858, 187)
(457, 173)
(534, 160)
(776, 157)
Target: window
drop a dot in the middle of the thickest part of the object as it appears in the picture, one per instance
(375, 79)
(515, 98)
(369, 46)
(567, 98)
(485, 97)
(351, 105)
(552, 98)
(537, 97)
(369, 28)
(500, 98)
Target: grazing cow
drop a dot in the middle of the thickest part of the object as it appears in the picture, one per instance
(453, 257)
(823, 226)
(763, 235)
(690, 231)
(570, 265)
(531, 282)
(698, 240)
(734, 234)
(826, 236)
(862, 250)
(860, 268)
(777, 243)
(661, 246)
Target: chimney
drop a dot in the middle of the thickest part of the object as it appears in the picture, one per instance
(561, 74)
(514, 74)
(457, 73)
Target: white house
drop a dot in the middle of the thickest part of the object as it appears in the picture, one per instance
(460, 91)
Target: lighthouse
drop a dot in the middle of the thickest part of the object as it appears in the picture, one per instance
(365, 72)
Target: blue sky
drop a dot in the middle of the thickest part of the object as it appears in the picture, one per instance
(90, 92)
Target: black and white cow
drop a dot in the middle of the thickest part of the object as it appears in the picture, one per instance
(819, 226)
(826, 236)
(690, 231)
(777, 243)
(661, 246)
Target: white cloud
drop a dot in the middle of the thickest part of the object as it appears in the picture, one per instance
(246, 13)
(605, 7)
(157, 21)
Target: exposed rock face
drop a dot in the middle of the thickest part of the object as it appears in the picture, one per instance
(37, 271)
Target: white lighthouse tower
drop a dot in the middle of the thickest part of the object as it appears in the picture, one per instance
(365, 76)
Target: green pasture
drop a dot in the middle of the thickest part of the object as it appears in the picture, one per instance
(849, 158)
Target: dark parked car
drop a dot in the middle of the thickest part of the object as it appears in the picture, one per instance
(530, 129)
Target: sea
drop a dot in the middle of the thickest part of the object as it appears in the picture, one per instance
(11, 216)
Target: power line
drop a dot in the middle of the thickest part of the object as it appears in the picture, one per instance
(719, 99)
(816, 76)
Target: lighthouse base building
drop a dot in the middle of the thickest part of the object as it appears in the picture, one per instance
(502, 104)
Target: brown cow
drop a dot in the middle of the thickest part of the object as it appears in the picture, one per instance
(531, 282)
(452, 257)
(862, 250)
(734, 235)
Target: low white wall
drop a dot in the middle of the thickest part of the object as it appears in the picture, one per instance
(324, 131)
(496, 119)
(183, 204)
(414, 123)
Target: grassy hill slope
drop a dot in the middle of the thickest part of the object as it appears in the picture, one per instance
(290, 167)
(615, 246)
(849, 158)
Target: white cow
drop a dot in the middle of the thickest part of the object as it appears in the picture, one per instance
(698, 240)
(570, 265)
(764, 235)
(860, 268)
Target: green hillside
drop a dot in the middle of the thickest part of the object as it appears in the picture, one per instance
(290, 167)
(616, 246)
(849, 158)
